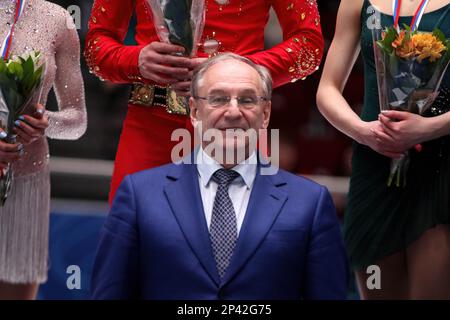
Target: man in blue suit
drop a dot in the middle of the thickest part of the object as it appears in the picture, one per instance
(222, 229)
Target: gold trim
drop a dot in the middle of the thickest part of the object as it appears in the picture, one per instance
(175, 104)
(144, 95)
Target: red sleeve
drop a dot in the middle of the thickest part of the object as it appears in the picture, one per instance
(105, 52)
(300, 53)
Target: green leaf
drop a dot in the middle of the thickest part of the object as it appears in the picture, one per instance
(28, 67)
(13, 98)
(27, 84)
(440, 35)
(382, 46)
(447, 53)
(16, 69)
(12, 82)
(389, 37)
(18, 81)
(4, 79)
(2, 66)
(407, 37)
(38, 74)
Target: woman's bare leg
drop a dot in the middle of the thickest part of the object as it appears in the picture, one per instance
(393, 276)
(428, 261)
(10, 291)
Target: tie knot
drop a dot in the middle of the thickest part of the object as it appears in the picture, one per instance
(225, 177)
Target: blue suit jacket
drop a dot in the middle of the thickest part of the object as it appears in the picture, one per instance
(155, 243)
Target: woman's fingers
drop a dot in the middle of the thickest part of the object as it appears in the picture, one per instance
(39, 123)
(10, 152)
(40, 110)
(30, 128)
(383, 136)
(22, 136)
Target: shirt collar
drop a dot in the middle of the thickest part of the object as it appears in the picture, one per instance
(206, 166)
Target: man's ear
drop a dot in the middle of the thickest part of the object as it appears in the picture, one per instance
(266, 114)
(193, 110)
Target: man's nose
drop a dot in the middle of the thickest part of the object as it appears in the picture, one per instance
(233, 110)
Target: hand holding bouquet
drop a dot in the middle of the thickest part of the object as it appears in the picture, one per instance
(179, 22)
(21, 80)
(410, 67)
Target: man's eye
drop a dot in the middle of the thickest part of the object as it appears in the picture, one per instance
(218, 99)
(246, 100)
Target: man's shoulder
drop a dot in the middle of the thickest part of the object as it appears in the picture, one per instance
(296, 182)
(156, 174)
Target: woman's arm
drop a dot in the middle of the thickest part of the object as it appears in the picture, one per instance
(71, 120)
(441, 125)
(341, 57)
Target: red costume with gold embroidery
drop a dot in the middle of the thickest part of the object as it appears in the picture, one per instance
(237, 26)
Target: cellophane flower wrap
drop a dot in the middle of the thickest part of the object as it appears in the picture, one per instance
(179, 22)
(21, 80)
(410, 67)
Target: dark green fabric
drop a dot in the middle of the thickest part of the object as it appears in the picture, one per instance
(379, 220)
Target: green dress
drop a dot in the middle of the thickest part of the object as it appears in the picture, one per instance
(381, 220)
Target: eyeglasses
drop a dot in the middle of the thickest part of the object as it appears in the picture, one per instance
(247, 102)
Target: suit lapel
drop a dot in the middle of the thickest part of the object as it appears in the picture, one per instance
(266, 202)
(183, 195)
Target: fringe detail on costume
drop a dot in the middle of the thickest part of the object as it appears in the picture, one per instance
(24, 224)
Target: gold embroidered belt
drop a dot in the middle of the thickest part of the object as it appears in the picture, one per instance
(158, 96)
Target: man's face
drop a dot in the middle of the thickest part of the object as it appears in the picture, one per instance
(230, 78)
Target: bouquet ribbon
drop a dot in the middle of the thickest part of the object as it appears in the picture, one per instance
(6, 45)
(396, 5)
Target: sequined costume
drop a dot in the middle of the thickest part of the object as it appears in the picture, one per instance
(24, 219)
(235, 26)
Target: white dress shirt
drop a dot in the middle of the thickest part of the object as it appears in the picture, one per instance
(239, 189)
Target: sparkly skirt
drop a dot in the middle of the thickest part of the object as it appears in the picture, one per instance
(24, 223)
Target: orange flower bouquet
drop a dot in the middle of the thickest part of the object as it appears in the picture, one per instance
(410, 66)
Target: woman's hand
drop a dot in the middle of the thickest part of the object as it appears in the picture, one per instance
(31, 128)
(9, 152)
(401, 131)
(373, 135)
